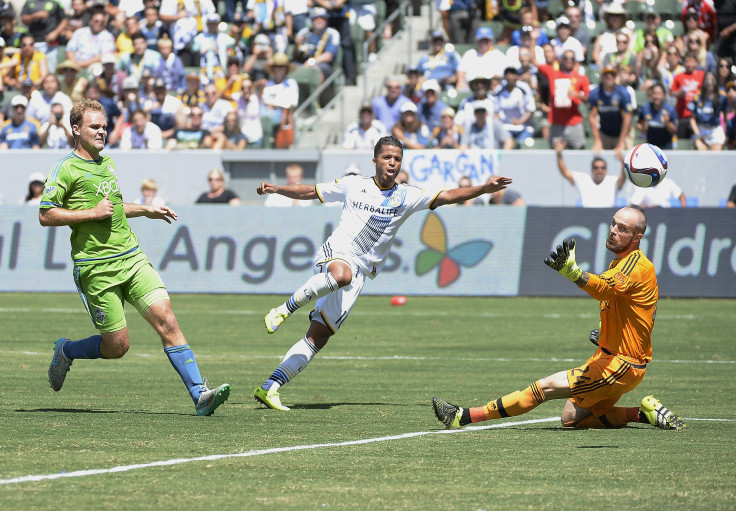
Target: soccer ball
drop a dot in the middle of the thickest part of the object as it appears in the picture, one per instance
(645, 165)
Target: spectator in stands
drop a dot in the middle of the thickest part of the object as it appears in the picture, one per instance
(568, 89)
(339, 12)
(685, 87)
(412, 88)
(506, 197)
(528, 71)
(615, 16)
(447, 135)
(56, 133)
(661, 196)
(192, 136)
(430, 108)
(731, 202)
(731, 115)
(213, 48)
(232, 138)
(402, 178)
(654, 27)
(164, 109)
(228, 87)
(192, 95)
(131, 97)
(111, 106)
(248, 106)
(465, 182)
(39, 106)
(294, 176)
(280, 92)
(708, 110)
(36, 183)
(149, 194)
(386, 108)
(670, 66)
(480, 85)
(19, 132)
(46, 22)
(480, 135)
(363, 12)
(218, 194)
(441, 63)
(141, 59)
(514, 104)
(657, 118)
(459, 19)
(565, 41)
(174, 68)
(531, 23)
(528, 43)
(706, 61)
(241, 34)
(623, 55)
(124, 40)
(185, 19)
(609, 113)
(152, 27)
(108, 79)
(71, 83)
(705, 12)
(27, 64)
(597, 189)
(365, 133)
(317, 47)
(691, 29)
(724, 74)
(648, 70)
(410, 130)
(89, 43)
(141, 133)
(578, 30)
(512, 17)
(483, 58)
(8, 28)
(726, 45)
(215, 110)
(255, 64)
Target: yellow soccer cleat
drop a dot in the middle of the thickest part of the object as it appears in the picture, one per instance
(270, 398)
(659, 416)
(273, 320)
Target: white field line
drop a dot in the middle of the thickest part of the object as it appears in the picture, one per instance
(397, 312)
(276, 450)
(392, 357)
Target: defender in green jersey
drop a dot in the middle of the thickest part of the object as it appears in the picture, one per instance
(82, 192)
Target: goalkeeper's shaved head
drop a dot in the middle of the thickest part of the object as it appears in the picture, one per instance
(638, 219)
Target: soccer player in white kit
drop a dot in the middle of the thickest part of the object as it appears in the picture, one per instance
(375, 207)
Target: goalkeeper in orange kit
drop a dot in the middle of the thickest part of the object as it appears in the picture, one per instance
(628, 295)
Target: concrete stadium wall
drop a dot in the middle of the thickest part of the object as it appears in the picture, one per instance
(181, 175)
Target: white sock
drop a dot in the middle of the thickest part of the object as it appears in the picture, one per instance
(294, 362)
(315, 287)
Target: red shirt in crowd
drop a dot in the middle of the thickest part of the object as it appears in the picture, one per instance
(563, 109)
(690, 83)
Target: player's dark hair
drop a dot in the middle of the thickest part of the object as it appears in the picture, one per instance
(598, 158)
(390, 140)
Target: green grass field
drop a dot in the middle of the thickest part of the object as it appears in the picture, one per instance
(374, 381)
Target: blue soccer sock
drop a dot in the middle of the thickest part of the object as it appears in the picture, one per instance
(182, 358)
(85, 348)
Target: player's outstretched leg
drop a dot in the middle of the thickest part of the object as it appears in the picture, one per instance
(269, 397)
(447, 413)
(294, 362)
(60, 365)
(210, 399)
(659, 416)
(315, 287)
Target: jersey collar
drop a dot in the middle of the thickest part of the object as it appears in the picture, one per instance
(380, 187)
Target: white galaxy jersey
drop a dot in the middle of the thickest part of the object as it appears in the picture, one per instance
(371, 216)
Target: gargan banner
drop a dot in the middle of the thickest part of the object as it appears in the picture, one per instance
(481, 251)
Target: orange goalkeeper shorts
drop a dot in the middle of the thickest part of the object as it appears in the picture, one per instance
(602, 380)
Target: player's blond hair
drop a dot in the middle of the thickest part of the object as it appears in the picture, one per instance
(77, 113)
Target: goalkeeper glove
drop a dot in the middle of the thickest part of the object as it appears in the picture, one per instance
(563, 261)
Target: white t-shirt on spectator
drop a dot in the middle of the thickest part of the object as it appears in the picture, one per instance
(570, 44)
(490, 64)
(593, 195)
(658, 196)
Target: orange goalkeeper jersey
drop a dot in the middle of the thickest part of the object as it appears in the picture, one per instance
(628, 293)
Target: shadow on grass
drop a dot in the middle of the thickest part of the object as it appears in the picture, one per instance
(327, 406)
(89, 410)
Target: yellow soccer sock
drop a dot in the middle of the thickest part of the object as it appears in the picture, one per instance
(511, 405)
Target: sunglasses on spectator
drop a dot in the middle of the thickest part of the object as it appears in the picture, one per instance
(599, 167)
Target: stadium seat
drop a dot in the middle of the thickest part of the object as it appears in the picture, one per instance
(641, 98)
(722, 203)
(495, 26)
(669, 9)
(307, 78)
(555, 8)
(691, 202)
(454, 100)
(462, 48)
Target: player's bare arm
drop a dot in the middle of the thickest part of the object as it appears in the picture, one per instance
(299, 192)
(155, 212)
(457, 195)
(62, 216)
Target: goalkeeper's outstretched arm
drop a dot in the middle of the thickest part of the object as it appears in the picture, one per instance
(562, 260)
